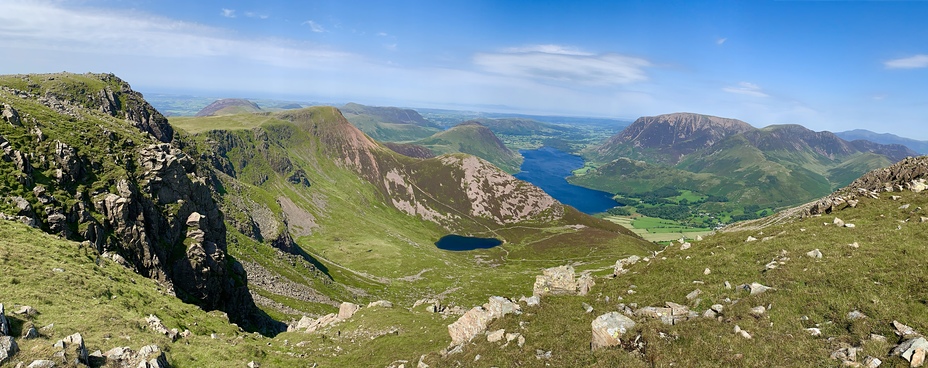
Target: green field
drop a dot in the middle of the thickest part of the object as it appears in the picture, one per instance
(658, 230)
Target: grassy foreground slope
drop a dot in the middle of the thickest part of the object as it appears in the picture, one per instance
(881, 277)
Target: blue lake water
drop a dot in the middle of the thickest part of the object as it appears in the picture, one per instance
(462, 243)
(548, 169)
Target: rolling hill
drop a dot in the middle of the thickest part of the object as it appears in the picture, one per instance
(229, 106)
(389, 124)
(474, 138)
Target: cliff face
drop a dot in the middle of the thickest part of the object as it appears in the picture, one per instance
(92, 161)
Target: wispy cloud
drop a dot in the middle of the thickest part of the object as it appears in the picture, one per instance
(45, 26)
(256, 15)
(564, 64)
(315, 27)
(746, 88)
(912, 62)
(720, 41)
(228, 13)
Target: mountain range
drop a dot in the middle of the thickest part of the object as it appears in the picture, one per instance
(390, 124)
(884, 138)
(776, 166)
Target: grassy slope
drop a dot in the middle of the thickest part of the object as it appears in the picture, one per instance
(474, 140)
(392, 245)
(883, 279)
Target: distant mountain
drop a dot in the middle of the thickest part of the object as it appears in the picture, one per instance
(666, 138)
(389, 124)
(884, 138)
(229, 106)
(410, 149)
(474, 138)
(776, 166)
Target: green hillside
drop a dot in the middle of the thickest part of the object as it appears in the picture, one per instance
(475, 139)
(389, 124)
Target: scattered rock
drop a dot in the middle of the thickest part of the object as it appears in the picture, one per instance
(496, 335)
(854, 245)
(905, 206)
(895, 197)
(381, 304)
(520, 341)
(346, 310)
(252, 364)
(912, 350)
(41, 364)
(872, 362)
(718, 308)
(609, 328)
(815, 253)
(706, 271)
(475, 321)
(855, 315)
(849, 225)
(709, 314)
(512, 336)
(27, 311)
(155, 324)
(532, 301)
(588, 308)
(838, 222)
(622, 263)
(73, 349)
(693, 294)
(750, 239)
(10, 115)
(755, 288)
(846, 355)
(758, 311)
(29, 331)
(555, 280)
(698, 237)
(685, 246)
(852, 203)
(814, 331)
(542, 355)
(585, 283)
(904, 331)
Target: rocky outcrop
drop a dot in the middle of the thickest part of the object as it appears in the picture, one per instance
(909, 174)
(8, 347)
(562, 280)
(71, 350)
(122, 192)
(10, 115)
(476, 320)
(149, 356)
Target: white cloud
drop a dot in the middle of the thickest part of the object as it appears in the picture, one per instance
(316, 27)
(94, 33)
(564, 64)
(256, 15)
(721, 41)
(912, 62)
(746, 88)
(382, 34)
(228, 13)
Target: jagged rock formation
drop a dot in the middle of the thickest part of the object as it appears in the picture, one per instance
(118, 184)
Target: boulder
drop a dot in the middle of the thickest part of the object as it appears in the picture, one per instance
(838, 222)
(27, 311)
(815, 253)
(555, 280)
(585, 283)
(346, 310)
(8, 347)
(693, 295)
(10, 115)
(755, 288)
(471, 324)
(622, 263)
(872, 362)
(496, 335)
(531, 301)
(904, 331)
(609, 328)
(499, 306)
(381, 304)
(41, 364)
(758, 311)
(685, 246)
(912, 350)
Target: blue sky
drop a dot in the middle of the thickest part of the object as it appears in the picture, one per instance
(828, 65)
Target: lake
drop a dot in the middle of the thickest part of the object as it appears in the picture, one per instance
(462, 243)
(548, 169)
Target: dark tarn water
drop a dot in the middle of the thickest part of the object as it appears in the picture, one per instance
(462, 243)
(548, 169)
